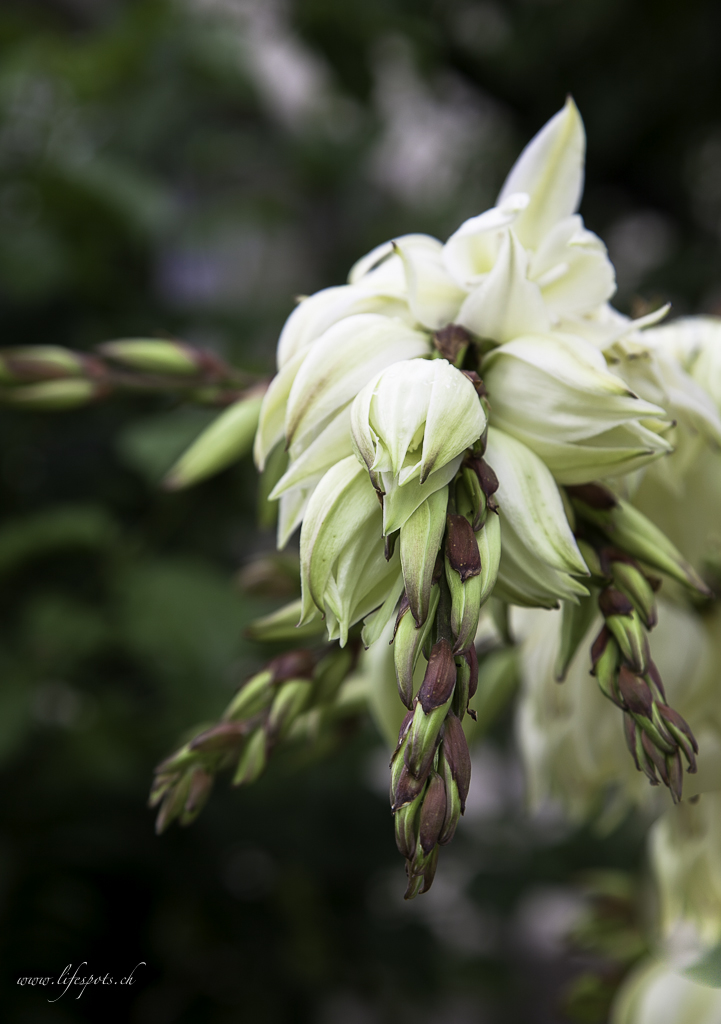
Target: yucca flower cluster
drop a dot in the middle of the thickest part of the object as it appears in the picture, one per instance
(439, 428)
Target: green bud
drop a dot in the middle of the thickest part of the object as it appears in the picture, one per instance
(253, 759)
(631, 581)
(420, 541)
(453, 800)
(255, 696)
(489, 548)
(226, 440)
(631, 531)
(592, 559)
(405, 826)
(224, 736)
(623, 621)
(465, 606)
(290, 700)
(52, 395)
(408, 643)
(174, 802)
(40, 362)
(153, 355)
(605, 659)
(423, 739)
(275, 466)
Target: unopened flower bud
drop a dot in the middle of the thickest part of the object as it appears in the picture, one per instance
(53, 395)
(456, 753)
(420, 541)
(432, 813)
(462, 548)
(226, 440)
(632, 582)
(408, 643)
(154, 355)
(623, 621)
(40, 362)
(290, 700)
(253, 759)
(440, 678)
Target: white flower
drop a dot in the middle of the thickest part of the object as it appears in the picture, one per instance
(556, 394)
(655, 994)
(410, 426)
(344, 571)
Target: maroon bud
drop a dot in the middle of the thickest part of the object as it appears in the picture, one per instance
(635, 692)
(407, 789)
(292, 665)
(456, 753)
(472, 658)
(593, 495)
(476, 382)
(390, 544)
(223, 736)
(451, 340)
(462, 547)
(682, 734)
(613, 602)
(440, 677)
(599, 646)
(433, 812)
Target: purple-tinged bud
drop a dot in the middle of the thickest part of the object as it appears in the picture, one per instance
(406, 789)
(613, 602)
(635, 692)
(402, 733)
(292, 665)
(432, 813)
(462, 547)
(452, 342)
(456, 753)
(599, 646)
(290, 700)
(201, 783)
(404, 824)
(440, 678)
(655, 760)
(408, 642)
(605, 657)
(653, 677)
(472, 658)
(593, 495)
(219, 738)
(453, 801)
(681, 732)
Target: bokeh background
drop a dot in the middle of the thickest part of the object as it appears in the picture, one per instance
(186, 168)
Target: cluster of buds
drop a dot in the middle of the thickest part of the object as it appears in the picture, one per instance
(450, 563)
(296, 697)
(48, 378)
(616, 540)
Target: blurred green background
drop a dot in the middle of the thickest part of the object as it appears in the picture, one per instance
(187, 168)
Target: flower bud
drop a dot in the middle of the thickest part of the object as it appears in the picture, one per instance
(282, 625)
(53, 395)
(291, 699)
(440, 678)
(420, 541)
(40, 363)
(456, 753)
(226, 440)
(631, 531)
(432, 813)
(253, 759)
(624, 623)
(408, 643)
(632, 582)
(153, 355)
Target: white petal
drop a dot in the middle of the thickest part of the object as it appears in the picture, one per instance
(401, 501)
(331, 445)
(383, 253)
(529, 500)
(471, 251)
(506, 304)
(433, 296)
(316, 313)
(455, 418)
(271, 426)
(550, 169)
(340, 363)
